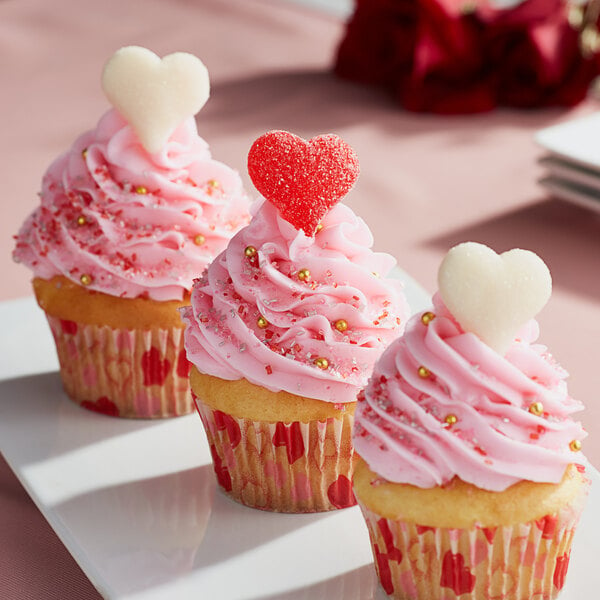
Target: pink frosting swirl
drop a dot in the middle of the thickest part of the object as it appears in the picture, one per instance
(137, 224)
(223, 337)
(400, 422)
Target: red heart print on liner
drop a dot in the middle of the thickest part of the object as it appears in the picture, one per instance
(69, 327)
(302, 179)
(455, 575)
(383, 559)
(225, 422)
(489, 533)
(155, 368)
(340, 493)
(392, 552)
(291, 438)
(103, 405)
(221, 471)
(385, 573)
(547, 525)
(560, 570)
(422, 529)
(183, 365)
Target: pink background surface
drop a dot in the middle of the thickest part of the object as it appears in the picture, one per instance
(426, 182)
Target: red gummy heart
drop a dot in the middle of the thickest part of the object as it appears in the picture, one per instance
(303, 180)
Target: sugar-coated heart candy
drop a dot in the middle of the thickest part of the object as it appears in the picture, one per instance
(493, 295)
(155, 95)
(303, 179)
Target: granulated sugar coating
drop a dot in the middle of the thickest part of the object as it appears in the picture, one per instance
(303, 179)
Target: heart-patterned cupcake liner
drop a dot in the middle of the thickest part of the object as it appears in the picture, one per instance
(282, 467)
(121, 372)
(515, 562)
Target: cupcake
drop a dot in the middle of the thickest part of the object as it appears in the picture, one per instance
(470, 475)
(128, 217)
(284, 328)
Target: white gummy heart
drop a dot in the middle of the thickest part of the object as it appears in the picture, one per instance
(493, 295)
(155, 95)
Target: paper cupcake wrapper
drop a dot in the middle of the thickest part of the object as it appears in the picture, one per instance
(121, 372)
(282, 467)
(517, 562)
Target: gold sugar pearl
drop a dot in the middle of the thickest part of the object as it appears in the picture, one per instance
(319, 227)
(211, 186)
(199, 239)
(423, 372)
(249, 251)
(262, 322)
(427, 317)
(575, 446)
(85, 279)
(341, 325)
(140, 189)
(84, 152)
(451, 419)
(375, 274)
(303, 274)
(536, 408)
(321, 362)
(81, 220)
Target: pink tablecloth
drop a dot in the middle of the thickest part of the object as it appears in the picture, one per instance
(426, 182)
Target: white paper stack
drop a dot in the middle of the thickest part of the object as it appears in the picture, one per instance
(573, 160)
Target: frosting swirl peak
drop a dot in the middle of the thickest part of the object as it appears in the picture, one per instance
(133, 223)
(287, 311)
(441, 403)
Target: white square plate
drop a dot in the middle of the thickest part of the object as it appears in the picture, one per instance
(574, 141)
(573, 165)
(136, 504)
(572, 192)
